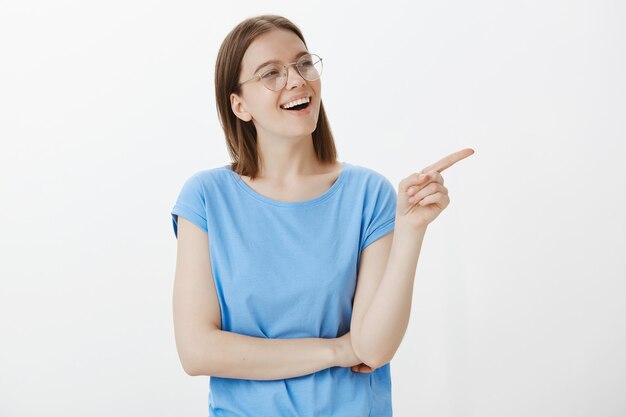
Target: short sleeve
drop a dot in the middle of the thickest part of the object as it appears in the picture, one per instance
(191, 204)
(379, 211)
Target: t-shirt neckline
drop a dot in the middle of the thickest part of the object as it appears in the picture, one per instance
(323, 197)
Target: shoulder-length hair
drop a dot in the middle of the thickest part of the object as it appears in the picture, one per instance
(240, 135)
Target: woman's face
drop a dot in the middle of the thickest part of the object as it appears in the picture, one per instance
(263, 106)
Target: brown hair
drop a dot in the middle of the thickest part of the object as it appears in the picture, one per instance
(240, 135)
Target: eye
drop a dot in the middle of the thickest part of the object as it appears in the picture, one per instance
(306, 63)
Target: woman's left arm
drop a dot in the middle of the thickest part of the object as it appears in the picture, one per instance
(382, 302)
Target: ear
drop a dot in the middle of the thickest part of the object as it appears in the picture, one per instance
(239, 108)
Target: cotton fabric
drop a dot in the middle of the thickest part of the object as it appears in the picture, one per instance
(289, 270)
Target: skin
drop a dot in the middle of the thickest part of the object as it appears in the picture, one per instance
(421, 198)
(289, 164)
(284, 141)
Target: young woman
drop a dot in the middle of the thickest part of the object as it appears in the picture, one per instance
(294, 271)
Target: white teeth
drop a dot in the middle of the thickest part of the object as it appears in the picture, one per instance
(296, 102)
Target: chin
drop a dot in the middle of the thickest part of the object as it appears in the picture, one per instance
(302, 133)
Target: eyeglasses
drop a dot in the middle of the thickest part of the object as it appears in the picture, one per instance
(274, 76)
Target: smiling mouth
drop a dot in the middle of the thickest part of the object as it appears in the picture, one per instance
(299, 106)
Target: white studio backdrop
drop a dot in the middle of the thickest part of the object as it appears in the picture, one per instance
(518, 310)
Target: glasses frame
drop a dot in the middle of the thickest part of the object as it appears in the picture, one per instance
(257, 76)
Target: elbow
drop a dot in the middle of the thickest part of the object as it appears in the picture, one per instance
(194, 370)
(383, 361)
(188, 366)
(186, 356)
(369, 357)
(376, 362)
(194, 364)
(195, 356)
(198, 366)
(190, 371)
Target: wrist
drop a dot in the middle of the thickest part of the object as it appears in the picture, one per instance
(335, 347)
(401, 225)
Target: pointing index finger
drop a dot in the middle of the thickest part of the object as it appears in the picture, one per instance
(449, 160)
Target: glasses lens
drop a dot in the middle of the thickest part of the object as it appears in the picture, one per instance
(310, 67)
(273, 77)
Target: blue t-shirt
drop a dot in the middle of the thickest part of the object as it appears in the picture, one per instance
(289, 270)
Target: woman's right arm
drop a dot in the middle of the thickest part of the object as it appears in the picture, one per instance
(204, 349)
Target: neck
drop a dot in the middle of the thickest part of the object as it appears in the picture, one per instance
(287, 159)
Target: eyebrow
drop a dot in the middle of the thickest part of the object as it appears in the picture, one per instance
(276, 61)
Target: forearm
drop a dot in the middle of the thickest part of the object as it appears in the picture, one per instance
(386, 319)
(232, 355)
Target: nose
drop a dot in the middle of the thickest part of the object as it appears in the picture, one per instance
(294, 79)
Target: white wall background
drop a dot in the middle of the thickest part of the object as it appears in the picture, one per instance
(107, 107)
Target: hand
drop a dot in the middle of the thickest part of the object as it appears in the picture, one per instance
(346, 356)
(363, 368)
(422, 199)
